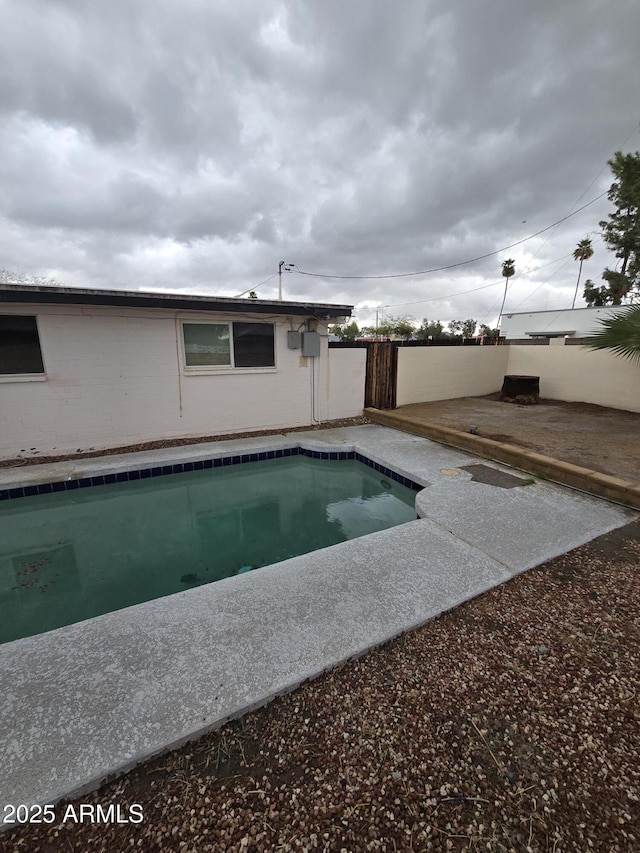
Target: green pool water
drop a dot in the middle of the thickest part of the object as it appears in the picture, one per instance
(69, 556)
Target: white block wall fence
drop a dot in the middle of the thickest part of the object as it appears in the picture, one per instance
(572, 373)
(426, 374)
(578, 374)
(346, 370)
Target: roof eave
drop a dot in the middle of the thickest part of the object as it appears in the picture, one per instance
(18, 293)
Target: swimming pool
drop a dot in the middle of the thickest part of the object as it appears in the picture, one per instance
(80, 549)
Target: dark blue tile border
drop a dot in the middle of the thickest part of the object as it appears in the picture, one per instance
(206, 464)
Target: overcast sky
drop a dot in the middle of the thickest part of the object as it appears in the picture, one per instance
(193, 144)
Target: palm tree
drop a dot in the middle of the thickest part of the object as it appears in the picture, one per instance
(508, 269)
(620, 333)
(582, 253)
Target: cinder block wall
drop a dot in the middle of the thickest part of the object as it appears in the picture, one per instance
(578, 374)
(444, 373)
(345, 382)
(572, 373)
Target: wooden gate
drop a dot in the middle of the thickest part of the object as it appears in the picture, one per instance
(382, 370)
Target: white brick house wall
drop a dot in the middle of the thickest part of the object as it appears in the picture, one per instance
(115, 376)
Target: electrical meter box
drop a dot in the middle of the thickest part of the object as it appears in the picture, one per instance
(294, 340)
(311, 344)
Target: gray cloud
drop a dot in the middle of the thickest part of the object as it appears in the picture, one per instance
(192, 145)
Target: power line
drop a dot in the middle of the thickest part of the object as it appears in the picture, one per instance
(474, 289)
(539, 286)
(571, 213)
(442, 298)
(582, 194)
(459, 263)
(603, 168)
(256, 286)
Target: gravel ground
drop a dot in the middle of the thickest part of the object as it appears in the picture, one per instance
(508, 724)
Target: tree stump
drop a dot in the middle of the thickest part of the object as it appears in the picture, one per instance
(524, 390)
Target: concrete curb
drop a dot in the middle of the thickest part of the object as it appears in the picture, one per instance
(585, 479)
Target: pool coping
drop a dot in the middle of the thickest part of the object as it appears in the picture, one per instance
(91, 700)
(73, 483)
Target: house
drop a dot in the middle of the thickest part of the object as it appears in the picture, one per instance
(571, 323)
(85, 369)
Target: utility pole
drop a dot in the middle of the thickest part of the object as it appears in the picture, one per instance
(287, 268)
(378, 335)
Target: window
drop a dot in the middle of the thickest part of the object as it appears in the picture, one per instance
(253, 345)
(19, 345)
(229, 344)
(206, 344)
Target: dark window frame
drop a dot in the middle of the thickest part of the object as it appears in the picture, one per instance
(237, 330)
(32, 359)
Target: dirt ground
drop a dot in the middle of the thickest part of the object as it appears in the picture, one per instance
(36, 459)
(605, 440)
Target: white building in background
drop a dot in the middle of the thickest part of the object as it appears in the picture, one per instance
(573, 322)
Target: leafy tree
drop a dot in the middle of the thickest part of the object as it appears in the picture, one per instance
(582, 253)
(403, 327)
(508, 269)
(430, 329)
(621, 334)
(621, 231)
(346, 332)
(469, 328)
(11, 277)
(382, 330)
(611, 294)
(462, 328)
(595, 296)
(399, 327)
(618, 286)
(488, 332)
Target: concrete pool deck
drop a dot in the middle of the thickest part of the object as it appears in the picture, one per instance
(93, 699)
